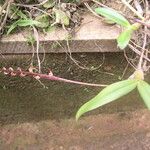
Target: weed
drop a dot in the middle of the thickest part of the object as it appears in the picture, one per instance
(136, 80)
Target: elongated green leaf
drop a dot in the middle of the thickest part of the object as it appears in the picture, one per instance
(113, 15)
(27, 22)
(22, 15)
(107, 95)
(124, 38)
(22, 23)
(12, 27)
(144, 90)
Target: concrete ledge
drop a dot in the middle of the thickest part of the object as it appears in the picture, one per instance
(92, 36)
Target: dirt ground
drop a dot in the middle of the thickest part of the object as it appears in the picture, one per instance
(121, 131)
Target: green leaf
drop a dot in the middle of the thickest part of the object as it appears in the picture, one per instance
(43, 21)
(113, 15)
(22, 23)
(107, 95)
(12, 27)
(124, 38)
(49, 29)
(61, 17)
(49, 4)
(144, 90)
(22, 15)
(27, 22)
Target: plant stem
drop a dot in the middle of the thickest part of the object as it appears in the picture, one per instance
(6, 15)
(143, 50)
(138, 52)
(132, 9)
(38, 76)
(36, 35)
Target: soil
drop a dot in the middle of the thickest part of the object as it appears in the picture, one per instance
(128, 131)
